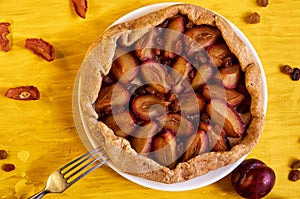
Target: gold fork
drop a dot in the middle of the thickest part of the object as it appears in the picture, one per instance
(70, 173)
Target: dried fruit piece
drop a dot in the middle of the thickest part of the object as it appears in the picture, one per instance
(3, 154)
(254, 18)
(262, 3)
(4, 42)
(8, 167)
(286, 69)
(294, 175)
(80, 7)
(295, 74)
(295, 164)
(23, 93)
(41, 48)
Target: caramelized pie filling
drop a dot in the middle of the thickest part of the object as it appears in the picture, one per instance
(176, 93)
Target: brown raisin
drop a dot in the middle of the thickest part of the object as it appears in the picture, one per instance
(3, 154)
(295, 75)
(254, 18)
(295, 164)
(262, 3)
(294, 175)
(286, 69)
(8, 167)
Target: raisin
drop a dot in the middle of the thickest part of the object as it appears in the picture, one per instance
(80, 7)
(286, 69)
(262, 3)
(8, 167)
(4, 42)
(23, 93)
(295, 75)
(3, 154)
(254, 18)
(41, 48)
(294, 175)
(295, 164)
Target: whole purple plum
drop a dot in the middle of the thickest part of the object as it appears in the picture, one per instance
(253, 179)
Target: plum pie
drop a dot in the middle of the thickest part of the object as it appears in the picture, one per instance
(173, 94)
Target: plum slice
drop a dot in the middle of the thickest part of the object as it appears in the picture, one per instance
(154, 74)
(147, 46)
(203, 35)
(164, 149)
(231, 76)
(202, 76)
(105, 97)
(225, 115)
(141, 139)
(233, 97)
(121, 123)
(191, 103)
(218, 53)
(148, 106)
(173, 37)
(177, 123)
(181, 69)
(196, 145)
(124, 67)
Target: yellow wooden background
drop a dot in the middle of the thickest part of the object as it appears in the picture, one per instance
(40, 136)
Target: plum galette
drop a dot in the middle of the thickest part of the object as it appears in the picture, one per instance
(173, 94)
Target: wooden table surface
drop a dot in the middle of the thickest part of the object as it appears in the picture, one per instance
(40, 136)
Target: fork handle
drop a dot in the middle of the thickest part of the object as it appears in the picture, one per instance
(39, 195)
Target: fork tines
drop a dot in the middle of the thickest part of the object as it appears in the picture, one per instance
(83, 165)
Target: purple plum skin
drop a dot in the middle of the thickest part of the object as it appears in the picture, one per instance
(253, 179)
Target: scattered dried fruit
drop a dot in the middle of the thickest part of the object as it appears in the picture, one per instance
(295, 164)
(23, 93)
(3, 154)
(294, 175)
(253, 179)
(254, 18)
(80, 7)
(8, 167)
(295, 74)
(262, 3)
(4, 42)
(41, 48)
(286, 69)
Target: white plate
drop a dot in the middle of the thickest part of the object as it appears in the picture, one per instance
(195, 183)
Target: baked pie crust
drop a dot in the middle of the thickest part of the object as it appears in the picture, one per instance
(98, 63)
